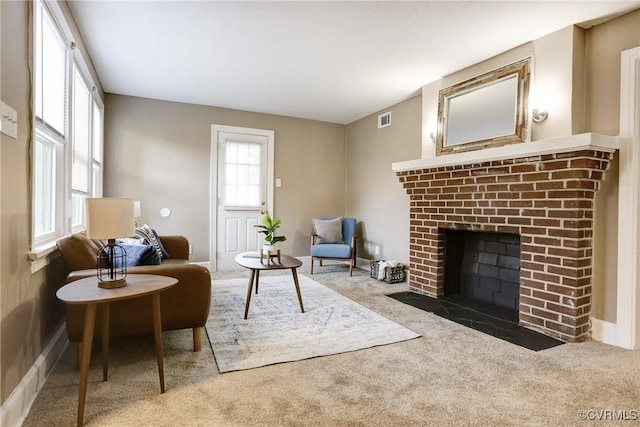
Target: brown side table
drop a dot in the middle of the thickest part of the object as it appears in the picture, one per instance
(86, 292)
(253, 262)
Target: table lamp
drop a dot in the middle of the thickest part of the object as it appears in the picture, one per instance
(110, 218)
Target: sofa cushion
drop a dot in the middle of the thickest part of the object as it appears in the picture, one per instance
(139, 255)
(131, 241)
(152, 238)
(79, 252)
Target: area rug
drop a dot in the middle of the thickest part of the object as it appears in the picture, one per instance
(276, 331)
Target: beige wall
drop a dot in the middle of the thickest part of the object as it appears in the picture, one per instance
(29, 310)
(374, 194)
(159, 152)
(551, 89)
(604, 44)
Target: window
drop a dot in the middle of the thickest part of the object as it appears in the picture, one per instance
(81, 138)
(67, 156)
(243, 170)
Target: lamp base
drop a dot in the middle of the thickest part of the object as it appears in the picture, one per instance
(112, 284)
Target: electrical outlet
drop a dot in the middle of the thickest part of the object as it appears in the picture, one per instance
(190, 249)
(377, 249)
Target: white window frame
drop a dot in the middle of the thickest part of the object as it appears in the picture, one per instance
(44, 243)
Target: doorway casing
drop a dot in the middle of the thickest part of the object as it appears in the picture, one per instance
(216, 130)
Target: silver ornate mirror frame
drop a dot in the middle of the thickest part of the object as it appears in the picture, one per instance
(485, 111)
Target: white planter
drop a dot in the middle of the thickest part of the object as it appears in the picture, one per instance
(270, 249)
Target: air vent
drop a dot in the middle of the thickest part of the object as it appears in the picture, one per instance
(384, 120)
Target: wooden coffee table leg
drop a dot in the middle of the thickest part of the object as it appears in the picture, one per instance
(87, 338)
(157, 334)
(105, 341)
(257, 280)
(246, 307)
(295, 281)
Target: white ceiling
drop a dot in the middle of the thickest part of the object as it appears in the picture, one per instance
(333, 61)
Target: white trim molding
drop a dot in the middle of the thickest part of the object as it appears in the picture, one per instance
(213, 180)
(627, 329)
(582, 141)
(16, 408)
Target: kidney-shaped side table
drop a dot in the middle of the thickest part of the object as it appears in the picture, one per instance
(86, 292)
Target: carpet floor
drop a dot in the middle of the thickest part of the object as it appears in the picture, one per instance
(452, 375)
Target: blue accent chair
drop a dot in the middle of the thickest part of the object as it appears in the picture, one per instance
(337, 251)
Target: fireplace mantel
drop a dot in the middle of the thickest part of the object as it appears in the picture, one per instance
(583, 141)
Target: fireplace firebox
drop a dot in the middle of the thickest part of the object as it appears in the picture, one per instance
(482, 271)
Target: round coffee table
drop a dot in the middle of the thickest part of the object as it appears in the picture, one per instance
(253, 262)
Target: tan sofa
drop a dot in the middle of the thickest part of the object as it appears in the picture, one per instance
(185, 305)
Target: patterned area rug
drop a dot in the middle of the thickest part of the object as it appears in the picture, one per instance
(276, 331)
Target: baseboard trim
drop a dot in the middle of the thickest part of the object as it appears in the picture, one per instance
(605, 332)
(16, 408)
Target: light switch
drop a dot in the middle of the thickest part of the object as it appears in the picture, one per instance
(278, 182)
(8, 120)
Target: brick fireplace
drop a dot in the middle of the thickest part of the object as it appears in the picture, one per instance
(542, 191)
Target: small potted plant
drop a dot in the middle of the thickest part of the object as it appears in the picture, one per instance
(268, 227)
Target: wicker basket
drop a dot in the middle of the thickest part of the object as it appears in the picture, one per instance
(391, 274)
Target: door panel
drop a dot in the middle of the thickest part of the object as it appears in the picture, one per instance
(253, 238)
(241, 194)
(231, 235)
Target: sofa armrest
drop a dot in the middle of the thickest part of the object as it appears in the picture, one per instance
(185, 305)
(176, 246)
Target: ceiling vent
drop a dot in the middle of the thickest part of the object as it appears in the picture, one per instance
(384, 120)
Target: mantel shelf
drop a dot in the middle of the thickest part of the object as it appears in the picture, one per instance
(583, 141)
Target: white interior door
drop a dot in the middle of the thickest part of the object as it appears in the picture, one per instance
(242, 191)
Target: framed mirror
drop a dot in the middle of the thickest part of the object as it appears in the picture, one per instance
(485, 111)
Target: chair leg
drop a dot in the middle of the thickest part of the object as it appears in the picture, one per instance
(352, 264)
(197, 339)
(311, 265)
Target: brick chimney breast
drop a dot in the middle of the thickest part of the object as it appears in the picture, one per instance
(547, 199)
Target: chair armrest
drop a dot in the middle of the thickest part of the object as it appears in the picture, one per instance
(353, 246)
(176, 246)
(313, 239)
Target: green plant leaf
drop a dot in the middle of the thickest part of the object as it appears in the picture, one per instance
(268, 226)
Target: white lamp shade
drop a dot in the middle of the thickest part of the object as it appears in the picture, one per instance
(110, 218)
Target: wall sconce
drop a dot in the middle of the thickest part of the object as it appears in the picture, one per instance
(539, 116)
